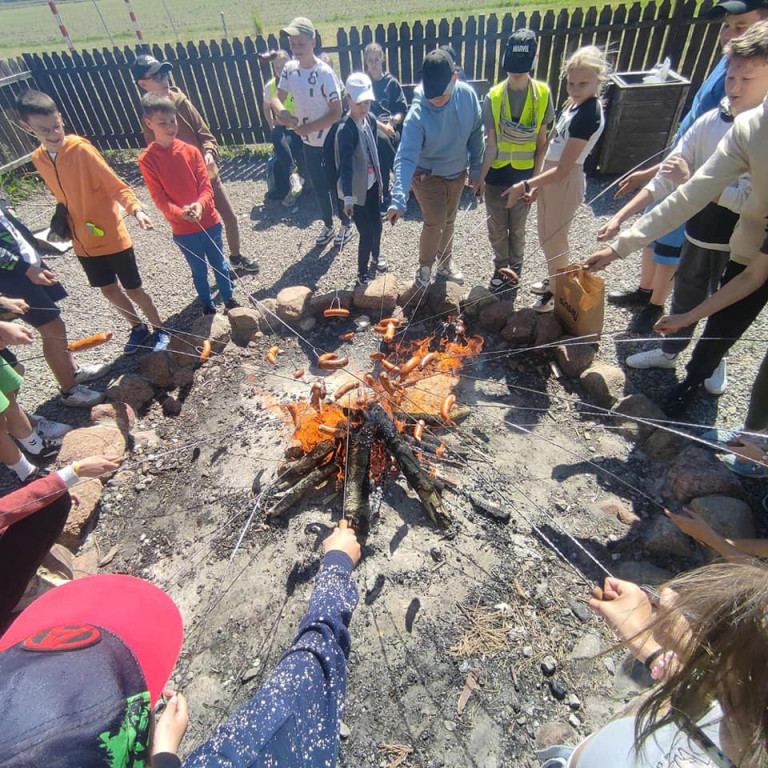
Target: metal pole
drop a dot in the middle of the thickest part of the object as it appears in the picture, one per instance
(170, 18)
(62, 28)
(224, 24)
(98, 10)
(134, 20)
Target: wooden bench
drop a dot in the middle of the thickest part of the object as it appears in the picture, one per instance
(481, 87)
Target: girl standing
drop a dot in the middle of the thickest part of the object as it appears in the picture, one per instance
(562, 184)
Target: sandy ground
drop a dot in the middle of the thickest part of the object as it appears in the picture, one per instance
(177, 512)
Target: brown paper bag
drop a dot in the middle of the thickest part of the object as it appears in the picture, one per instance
(580, 301)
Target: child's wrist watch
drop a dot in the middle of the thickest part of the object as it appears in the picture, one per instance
(526, 187)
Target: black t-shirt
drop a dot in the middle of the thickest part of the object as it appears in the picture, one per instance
(586, 119)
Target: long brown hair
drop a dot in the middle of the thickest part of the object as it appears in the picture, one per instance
(723, 654)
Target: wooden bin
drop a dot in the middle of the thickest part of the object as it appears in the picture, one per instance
(642, 119)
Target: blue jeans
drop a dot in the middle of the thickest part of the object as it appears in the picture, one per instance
(199, 246)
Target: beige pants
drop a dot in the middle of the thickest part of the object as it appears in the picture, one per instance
(555, 209)
(439, 201)
(228, 216)
(506, 228)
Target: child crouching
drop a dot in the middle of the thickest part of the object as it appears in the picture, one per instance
(359, 182)
(178, 181)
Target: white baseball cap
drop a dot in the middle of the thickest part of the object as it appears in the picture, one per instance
(360, 88)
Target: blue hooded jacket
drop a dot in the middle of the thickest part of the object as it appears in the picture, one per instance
(440, 141)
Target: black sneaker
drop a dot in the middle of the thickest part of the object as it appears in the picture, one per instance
(209, 310)
(231, 304)
(363, 279)
(644, 322)
(680, 398)
(35, 474)
(241, 262)
(637, 298)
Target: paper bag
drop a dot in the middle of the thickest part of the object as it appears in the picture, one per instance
(580, 301)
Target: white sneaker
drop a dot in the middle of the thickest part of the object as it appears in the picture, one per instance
(49, 430)
(81, 397)
(325, 236)
(653, 358)
(718, 381)
(423, 276)
(543, 304)
(344, 234)
(450, 271)
(86, 372)
(541, 287)
(295, 191)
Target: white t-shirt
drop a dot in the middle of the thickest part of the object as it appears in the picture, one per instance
(28, 253)
(313, 90)
(585, 121)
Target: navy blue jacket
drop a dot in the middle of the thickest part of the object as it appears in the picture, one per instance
(293, 720)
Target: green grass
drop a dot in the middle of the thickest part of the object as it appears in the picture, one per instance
(19, 185)
(31, 28)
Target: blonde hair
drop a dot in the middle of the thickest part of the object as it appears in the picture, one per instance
(722, 655)
(753, 44)
(588, 57)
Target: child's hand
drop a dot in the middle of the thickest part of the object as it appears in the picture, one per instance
(192, 212)
(17, 306)
(609, 230)
(672, 324)
(210, 160)
(172, 725)
(600, 259)
(393, 216)
(41, 276)
(349, 210)
(144, 221)
(11, 334)
(676, 169)
(343, 539)
(513, 194)
(96, 466)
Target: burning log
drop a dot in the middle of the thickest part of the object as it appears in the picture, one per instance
(296, 493)
(425, 487)
(305, 464)
(356, 508)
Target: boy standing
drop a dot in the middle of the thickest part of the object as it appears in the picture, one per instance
(442, 135)
(81, 180)
(516, 115)
(317, 106)
(177, 179)
(360, 181)
(152, 76)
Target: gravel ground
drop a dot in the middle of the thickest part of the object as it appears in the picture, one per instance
(177, 519)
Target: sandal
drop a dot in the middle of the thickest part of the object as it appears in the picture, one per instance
(541, 287)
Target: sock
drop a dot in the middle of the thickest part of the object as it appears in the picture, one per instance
(31, 443)
(23, 468)
(645, 290)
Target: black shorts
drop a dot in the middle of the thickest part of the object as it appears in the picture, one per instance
(41, 298)
(102, 271)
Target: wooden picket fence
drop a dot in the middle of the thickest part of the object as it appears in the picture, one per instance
(225, 79)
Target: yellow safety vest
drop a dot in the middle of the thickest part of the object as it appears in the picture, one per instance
(516, 140)
(271, 88)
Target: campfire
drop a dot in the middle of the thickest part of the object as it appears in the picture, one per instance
(379, 423)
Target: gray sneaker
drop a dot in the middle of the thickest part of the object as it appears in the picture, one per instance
(81, 397)
(52, 431)
(86, 372)
(423, 276)
(448, 270)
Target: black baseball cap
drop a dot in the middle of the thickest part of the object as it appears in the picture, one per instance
(520, 52)
(436, 73)
(736, 7)
(147, 65)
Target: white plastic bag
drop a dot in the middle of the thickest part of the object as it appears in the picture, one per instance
(660, 73)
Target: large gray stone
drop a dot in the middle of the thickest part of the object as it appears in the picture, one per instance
(520, 327)
(380, 294)
(444, 297)
(477, 299)
(293, 302)
(664, 539)
(494, 317)
(631, 413)
(246, 322)
(574, 357)
(99, 440)
(729, 517)
(131, 389)
(663, 445)
(158, 367)
(604, 384)
(118, 414)
(335, 299)
(641, 572)
(215, 328)
(80, 518)
(548, 329)
(697, 472)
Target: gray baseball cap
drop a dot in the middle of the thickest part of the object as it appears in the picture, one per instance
(300, 26)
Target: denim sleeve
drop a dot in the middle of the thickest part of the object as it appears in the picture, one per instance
(293, 720)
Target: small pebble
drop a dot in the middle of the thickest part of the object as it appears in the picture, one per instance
(573, 720)
(610, 665)
(344, 731)
(548, 666)
(558, 689)
(573, 702)
(581, 612)
(449, 725)
(252, 672)
(528, 651)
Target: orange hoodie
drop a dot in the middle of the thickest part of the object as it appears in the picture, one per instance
(80, 178)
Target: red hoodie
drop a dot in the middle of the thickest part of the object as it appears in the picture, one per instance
(176, 176)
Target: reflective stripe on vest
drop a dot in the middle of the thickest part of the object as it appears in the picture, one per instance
(520, 153)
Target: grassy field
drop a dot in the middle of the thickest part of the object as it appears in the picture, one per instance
(29, 27)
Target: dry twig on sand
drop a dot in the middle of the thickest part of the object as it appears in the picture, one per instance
(397, 754)
(486, 633)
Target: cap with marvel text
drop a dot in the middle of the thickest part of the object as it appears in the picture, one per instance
(80, 669)
(436, 73)
(145, 66)
(520, 52)
(300, 26)
(736, 7)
